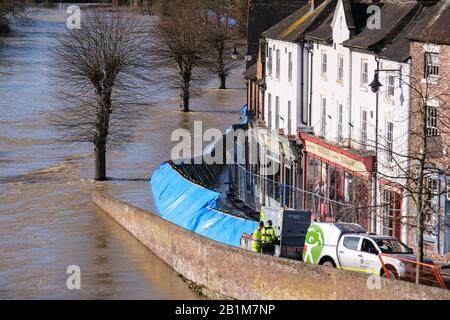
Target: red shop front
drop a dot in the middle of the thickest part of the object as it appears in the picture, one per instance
(337, 182)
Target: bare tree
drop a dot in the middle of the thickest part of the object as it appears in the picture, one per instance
(415, 171)
(9, 10)
(100, 70)
(179, 48)
(219, 36)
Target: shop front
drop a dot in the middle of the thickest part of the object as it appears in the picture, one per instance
(337, 182)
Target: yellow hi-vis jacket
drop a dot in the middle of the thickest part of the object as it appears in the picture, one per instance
(268, 235)
(256, 243)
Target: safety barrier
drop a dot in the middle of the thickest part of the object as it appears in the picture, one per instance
(428, 273)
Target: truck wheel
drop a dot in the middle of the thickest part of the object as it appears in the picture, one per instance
(328, 264)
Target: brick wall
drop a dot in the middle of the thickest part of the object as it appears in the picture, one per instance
(240, 274)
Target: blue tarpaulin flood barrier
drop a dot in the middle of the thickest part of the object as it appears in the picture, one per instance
(193, 207)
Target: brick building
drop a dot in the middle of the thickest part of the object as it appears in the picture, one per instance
(430, 120)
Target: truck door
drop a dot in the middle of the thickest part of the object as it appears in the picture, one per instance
(369, 261)
(348, 253)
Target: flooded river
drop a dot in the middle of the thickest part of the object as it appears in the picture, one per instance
(47, 220)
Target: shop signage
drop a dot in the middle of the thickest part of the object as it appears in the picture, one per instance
(335, 157)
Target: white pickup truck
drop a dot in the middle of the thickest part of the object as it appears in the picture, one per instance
(348, 246)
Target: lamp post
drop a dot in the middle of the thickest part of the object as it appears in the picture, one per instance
(235, 53)
(375, 86)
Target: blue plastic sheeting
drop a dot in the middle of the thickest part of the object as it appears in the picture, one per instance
(187, 204)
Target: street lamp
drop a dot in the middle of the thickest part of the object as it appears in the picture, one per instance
(235, 54)
(375, 85)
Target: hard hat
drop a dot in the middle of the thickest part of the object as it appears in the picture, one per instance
(269, 222)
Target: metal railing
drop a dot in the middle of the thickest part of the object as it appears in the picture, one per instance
(257, 190)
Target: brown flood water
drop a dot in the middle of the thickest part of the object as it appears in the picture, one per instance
(47, 220)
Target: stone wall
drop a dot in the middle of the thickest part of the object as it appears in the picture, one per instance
(240, 274)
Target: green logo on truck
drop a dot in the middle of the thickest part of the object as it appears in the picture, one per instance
(314, 244)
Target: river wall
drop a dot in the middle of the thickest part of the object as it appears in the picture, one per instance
(225, 271)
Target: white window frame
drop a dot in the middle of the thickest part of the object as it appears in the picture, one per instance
(323, 116)
(390, 86)
(270, 62)
(290, 67)
(432, 121)
(324, 64)
(364, 73)
(340, 136)
(269, 110)
(277, 64)
(277, 112)
(389, 140)
(340, 68)
(289, 110)
(363, 137)
(431, 65)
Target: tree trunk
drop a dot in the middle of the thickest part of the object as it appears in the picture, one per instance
(223, 80)
(221, 65)
(184, 95)
(100, 162)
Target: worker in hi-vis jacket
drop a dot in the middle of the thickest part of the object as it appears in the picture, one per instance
(268, 238)
(257, 237)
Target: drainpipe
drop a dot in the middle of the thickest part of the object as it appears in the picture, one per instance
(310, 84)
(405, 232)
(375, 173)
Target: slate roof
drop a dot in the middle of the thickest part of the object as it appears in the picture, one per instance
(395, 16)
(401, 22)
(435, 25)
(293, 28)
(262, 15)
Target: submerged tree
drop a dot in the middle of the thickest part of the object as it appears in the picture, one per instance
(179, 48)
(220, 31)
(100, 69)
(9, 10)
